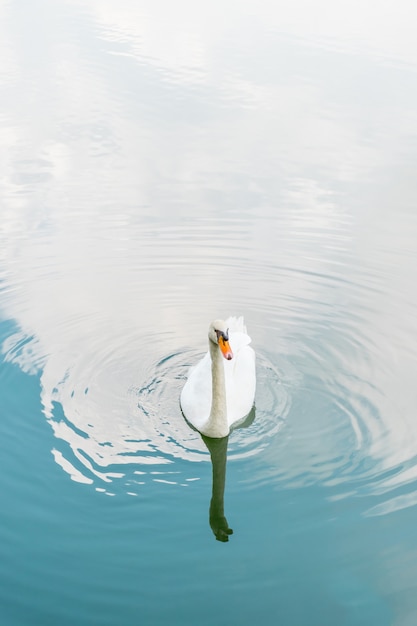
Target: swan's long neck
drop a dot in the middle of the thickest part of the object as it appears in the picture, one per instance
(217, 425)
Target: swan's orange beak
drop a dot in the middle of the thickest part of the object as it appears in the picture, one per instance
(225, 348)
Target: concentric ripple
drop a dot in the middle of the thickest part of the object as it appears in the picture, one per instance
(108, 428)
(335, 371)
(250, 438)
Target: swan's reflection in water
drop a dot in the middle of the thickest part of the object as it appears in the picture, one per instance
(218, 454)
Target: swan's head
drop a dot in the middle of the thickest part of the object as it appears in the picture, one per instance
(219, 334)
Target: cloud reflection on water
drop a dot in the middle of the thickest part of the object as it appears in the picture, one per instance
(137, 170)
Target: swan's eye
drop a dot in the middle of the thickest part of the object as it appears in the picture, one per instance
(224, 335)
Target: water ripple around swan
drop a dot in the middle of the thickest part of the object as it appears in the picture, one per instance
(108, 428)
(330, 408)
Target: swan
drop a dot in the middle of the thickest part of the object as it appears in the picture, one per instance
(220, 389)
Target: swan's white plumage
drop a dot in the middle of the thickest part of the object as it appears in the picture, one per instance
(240, 381)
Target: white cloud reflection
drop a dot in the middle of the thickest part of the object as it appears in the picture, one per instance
(161, 162)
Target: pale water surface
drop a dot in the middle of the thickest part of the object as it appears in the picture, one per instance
(163, 164)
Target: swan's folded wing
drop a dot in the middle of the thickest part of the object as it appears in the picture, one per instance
(195, 396)
(238, 340)
(240, 375)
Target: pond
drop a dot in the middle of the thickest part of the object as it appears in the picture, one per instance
(164, 165)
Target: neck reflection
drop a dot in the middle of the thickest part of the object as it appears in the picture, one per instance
(218, 454)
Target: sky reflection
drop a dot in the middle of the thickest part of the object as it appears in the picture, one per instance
(160, 163)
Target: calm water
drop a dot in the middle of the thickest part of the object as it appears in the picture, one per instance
(161, 165)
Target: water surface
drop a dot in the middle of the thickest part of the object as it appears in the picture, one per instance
(163, 166)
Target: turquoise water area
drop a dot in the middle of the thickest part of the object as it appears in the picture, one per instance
(163, 165)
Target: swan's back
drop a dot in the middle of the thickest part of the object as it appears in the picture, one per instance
(240, 375)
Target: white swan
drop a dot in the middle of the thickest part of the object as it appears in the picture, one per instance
(212, 401)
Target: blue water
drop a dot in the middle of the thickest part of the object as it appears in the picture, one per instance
(71, 555)
(162, 166)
